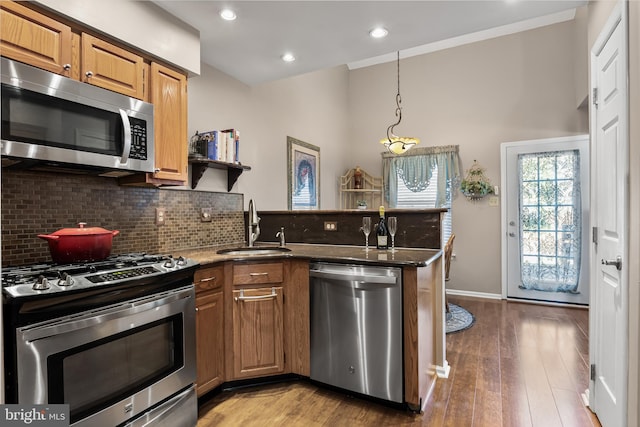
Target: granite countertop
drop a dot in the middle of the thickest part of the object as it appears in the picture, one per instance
(330, 253)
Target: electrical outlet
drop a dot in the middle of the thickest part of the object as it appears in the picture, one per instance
(161, 214)
(494, 201)
(205, 215)
(330, 226)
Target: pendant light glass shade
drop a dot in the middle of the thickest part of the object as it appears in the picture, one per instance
(398, 144)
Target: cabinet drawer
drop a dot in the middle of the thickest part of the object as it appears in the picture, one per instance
(209, 278)
(253, 274)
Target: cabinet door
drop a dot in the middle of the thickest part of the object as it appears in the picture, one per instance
(209, 342)
(169, 98)
(111, 67)
(258, 332)
(35, 39)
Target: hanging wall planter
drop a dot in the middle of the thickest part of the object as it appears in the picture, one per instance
(475, 184)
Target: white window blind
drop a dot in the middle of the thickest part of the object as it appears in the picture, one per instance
(407, 199)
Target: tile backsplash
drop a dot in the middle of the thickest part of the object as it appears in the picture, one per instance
(41, 202)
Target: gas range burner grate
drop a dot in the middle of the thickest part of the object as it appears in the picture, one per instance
(12, 276)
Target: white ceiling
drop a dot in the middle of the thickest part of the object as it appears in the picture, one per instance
(323, 34)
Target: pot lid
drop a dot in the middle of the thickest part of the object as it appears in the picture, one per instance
(81, 230)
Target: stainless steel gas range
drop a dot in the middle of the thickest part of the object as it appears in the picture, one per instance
(114, 339)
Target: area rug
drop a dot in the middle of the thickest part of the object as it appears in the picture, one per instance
(458, 319)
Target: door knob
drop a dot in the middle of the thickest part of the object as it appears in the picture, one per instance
(617, 262)
(512, 234)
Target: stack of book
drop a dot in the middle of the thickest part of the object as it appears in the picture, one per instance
(221, 145)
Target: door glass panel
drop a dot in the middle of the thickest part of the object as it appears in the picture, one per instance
(550, 220)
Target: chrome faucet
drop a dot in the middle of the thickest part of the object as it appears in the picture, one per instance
(280, 234)
(254, 221)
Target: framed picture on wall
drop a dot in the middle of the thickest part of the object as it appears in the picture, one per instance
(303, 175)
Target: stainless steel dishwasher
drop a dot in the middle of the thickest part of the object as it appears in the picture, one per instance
(356, 328)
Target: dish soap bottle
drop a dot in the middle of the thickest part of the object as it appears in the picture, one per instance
(382, 232)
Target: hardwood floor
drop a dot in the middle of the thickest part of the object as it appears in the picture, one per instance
(519, 365)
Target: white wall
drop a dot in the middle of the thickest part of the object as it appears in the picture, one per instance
(477, 96)
(311, 108)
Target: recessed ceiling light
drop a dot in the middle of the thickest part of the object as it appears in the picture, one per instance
(228, 14)
(288, 57)
(378, 32)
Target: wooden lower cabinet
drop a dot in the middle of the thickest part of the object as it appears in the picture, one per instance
(258, 332)
(209, 283)
(209, 341)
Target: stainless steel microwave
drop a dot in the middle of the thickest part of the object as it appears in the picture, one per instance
(54, 120)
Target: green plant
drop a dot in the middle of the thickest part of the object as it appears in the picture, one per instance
(475, 185)
(362, 203)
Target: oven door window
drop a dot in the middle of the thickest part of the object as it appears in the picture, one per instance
(32, 117)
(96, 375)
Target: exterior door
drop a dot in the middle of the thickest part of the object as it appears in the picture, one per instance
(609, 301)
(545, 219)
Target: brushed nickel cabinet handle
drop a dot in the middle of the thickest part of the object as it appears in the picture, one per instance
(208, 279)
(258, 274)
(273, 294)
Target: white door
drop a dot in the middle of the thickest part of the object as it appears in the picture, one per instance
(610, 145)
(545, 219)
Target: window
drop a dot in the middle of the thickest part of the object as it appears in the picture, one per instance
(424, 199)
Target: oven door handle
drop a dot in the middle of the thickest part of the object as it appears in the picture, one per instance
(92, 318)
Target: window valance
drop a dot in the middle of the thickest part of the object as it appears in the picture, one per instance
(415, 169)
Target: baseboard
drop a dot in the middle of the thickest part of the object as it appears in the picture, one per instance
(443, 371)
(473, 294)
(585, 397)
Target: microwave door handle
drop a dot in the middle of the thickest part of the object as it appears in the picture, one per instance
(126, 150)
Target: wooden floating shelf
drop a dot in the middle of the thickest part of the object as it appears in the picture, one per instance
(199, 166)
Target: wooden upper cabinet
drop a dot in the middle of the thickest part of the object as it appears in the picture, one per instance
(169, 97)
(30, 37)
(111, 67)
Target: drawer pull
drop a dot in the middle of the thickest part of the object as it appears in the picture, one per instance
(273, 294)
(258, 274)
(208, 279)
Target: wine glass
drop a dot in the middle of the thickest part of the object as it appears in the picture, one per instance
(366, 229)
(392, 224)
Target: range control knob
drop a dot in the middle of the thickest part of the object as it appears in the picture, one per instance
(181, 261)
(65, 280)
(42, 284)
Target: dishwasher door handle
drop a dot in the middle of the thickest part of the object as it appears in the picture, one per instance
(346, 277)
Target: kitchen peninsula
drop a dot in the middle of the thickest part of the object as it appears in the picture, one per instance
(246, 331)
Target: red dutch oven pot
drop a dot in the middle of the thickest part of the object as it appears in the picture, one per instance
(69, 245)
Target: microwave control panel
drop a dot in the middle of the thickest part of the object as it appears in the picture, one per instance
(138, 139)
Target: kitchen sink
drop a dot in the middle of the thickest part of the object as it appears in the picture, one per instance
(247, 251)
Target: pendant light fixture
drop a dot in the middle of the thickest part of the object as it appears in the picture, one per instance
(394, 143)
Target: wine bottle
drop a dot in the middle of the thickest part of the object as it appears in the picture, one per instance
(382, 232)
